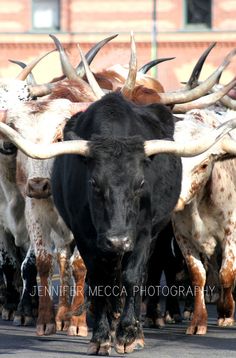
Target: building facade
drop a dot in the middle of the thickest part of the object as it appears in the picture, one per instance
(162, 28)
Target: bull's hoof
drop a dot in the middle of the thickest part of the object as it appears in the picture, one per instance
(29, 321)
(7, 315)
(154, 323)
(62, 325)
(136, 345)
(17, 321)
(225, 322)
(45, 330)
(20, 320)
(81, 331)
(187, 315)
(196, 329)
(159, 323)
(169, 319)
(100, 349)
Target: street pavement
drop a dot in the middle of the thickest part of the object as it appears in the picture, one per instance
(168, 342)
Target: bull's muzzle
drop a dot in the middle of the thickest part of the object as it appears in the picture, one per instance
(38, 188)
(120, 244)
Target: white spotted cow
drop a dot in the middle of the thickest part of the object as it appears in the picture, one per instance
(205, 217)
(42, 122)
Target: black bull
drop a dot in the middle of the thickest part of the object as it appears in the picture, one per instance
(115, 202)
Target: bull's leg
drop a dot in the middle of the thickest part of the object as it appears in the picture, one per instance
(46, 319)
(154, 317)
(226, 304)
(28, 305)
(10, 271)
(172, 312)
(101, 280)
(129, 333)
(2, 288)
(39, 232)
(198, 324)
(63, 259)
(78, 324)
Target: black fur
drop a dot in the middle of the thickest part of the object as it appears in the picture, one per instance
(117, 192)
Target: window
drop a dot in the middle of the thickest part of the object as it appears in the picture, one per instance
(46, 14)
(198, 14)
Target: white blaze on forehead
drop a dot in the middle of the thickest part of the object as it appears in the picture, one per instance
(12, 92)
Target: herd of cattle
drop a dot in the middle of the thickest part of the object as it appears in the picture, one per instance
(102, 172)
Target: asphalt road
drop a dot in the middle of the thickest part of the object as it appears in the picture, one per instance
(170, 341)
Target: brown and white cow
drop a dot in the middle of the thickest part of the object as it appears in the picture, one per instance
(205, 224)
(42, 122)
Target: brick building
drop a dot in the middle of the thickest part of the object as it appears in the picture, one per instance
(163, 28)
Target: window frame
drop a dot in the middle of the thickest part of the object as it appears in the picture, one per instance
(46, 29)
(198, 26)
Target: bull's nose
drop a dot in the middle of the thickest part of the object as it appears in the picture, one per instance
(119, 243)
(38, 188)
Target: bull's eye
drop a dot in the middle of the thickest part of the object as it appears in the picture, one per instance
(203, 166)
(94, 185)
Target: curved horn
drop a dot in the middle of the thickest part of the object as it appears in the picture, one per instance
(30, 78)
(41, 90)
(228, 102)
(25, 72)
(195, 147)
(129, 85)
(92, 53)
(145, 68)
(229, 146)
(193, 80)
(90, 77)
(204, 101)
(201, 89)
(44, 151)
(67, 68)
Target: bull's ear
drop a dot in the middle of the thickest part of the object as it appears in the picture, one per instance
(3, 115)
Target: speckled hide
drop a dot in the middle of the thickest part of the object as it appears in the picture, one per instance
(206, 225)
(42, 122)
(13, 232)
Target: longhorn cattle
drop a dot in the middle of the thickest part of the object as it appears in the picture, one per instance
(45, 227)
(13, 91)
(115, 195)
(205, 226)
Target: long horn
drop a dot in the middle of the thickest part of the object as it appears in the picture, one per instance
(205, 101)
(129, 85)
(67, 68)
(151, 147)
(228, 102)
(41, 90)
(229, 146)
(30, 78)
(90, 77)
(193, 148)
(193, 80)
(201, 89)
(25, 72)
(145, 68)
(41, 151)
(92, 53)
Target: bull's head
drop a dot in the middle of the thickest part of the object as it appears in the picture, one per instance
(116, 187)
(41, 122)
